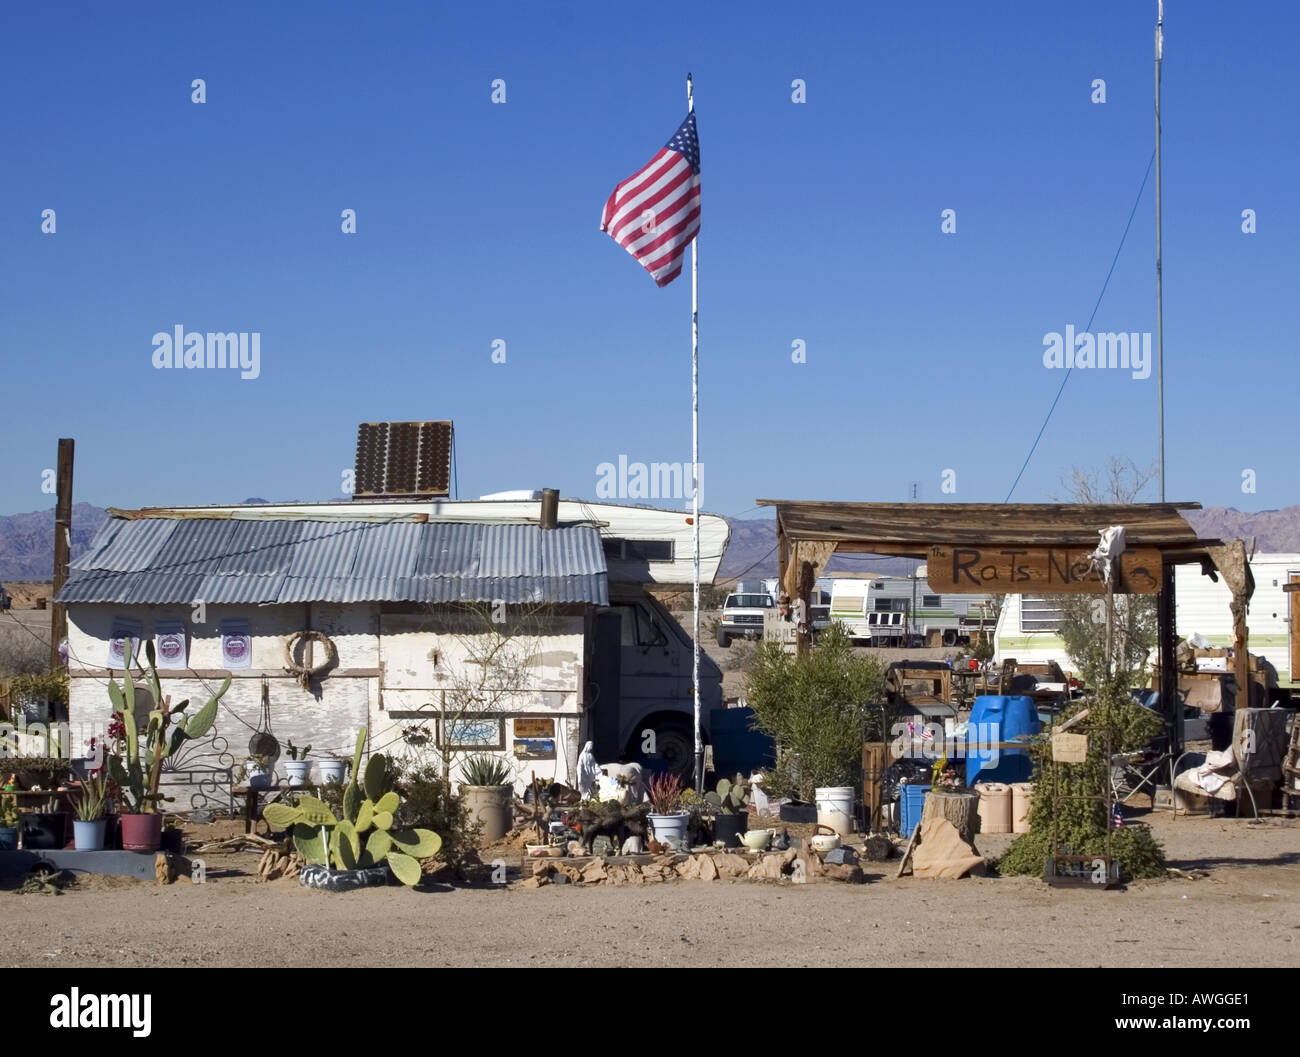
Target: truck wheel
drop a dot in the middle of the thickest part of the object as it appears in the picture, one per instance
(723, 640)
(675, 750)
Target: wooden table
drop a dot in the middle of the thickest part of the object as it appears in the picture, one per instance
(252, 794)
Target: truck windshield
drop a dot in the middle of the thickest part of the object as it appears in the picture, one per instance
(749, 602)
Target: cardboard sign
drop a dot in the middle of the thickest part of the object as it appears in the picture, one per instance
(1038, 570)
(1070, 748)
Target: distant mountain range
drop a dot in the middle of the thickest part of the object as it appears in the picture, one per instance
(27, 541)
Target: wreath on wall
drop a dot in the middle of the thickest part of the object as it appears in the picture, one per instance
(293, 667)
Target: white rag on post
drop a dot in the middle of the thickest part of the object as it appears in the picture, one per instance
(1108, 551)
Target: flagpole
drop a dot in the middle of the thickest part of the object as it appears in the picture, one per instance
(1160, 310)
(695, 467)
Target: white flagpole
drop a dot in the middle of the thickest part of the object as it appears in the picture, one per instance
(1160, 309)
(695, 468)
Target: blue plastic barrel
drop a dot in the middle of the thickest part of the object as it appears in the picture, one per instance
(911, 801)
(737, 748)
(1000, 718)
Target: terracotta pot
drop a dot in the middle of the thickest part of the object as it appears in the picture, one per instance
(141, 832)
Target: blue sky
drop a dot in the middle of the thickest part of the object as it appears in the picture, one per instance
(479, 221)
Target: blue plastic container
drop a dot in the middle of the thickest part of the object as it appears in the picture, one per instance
(1000, 718)
(738, 749)
(911, 800)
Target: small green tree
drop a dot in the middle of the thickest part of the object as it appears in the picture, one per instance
(819, 708)
(1108, 639)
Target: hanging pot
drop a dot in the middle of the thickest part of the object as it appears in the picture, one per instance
(263, 743)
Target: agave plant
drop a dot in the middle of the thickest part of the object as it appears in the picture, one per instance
(364, 836)
(484, 769)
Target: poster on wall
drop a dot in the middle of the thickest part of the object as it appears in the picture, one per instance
(169, 644)
(123, 628)
(236, 645)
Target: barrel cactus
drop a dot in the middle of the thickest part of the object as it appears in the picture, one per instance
(364, 836)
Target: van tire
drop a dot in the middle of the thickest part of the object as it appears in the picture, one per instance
(723, 639)
(675, 741)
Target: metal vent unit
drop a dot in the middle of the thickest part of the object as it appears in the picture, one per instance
(403, 460)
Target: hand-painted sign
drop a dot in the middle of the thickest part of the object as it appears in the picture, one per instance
(1038, 570)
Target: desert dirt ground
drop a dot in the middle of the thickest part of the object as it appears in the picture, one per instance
(1241, 894)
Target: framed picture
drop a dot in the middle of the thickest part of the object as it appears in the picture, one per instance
(534, 748)
(472, 733)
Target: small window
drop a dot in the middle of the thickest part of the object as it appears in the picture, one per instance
(1039, 613)
(638, 550)
(931, 601)
(883, 605)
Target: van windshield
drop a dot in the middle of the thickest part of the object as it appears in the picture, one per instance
(749, 602)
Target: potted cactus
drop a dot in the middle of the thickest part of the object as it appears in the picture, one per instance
(363, 841)
(137, 769)
(297, 767)
(730, 803)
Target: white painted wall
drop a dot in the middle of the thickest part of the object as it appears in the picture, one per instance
(418, 655)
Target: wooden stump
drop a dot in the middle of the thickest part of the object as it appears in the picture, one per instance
(961, 809)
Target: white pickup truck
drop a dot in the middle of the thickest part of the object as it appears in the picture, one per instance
(743, 615)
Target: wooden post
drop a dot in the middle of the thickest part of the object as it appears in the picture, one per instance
(1168, 636)
(1240, 656)
(62, 546)
(807, 577)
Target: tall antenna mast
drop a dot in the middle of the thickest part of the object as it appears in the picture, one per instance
(1160, 311)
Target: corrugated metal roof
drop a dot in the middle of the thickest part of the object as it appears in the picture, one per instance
(224, 561)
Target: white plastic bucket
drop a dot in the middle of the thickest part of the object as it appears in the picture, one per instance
(835, 808)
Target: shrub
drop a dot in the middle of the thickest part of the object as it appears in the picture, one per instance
(1082, 824)
(427, 802)
(819, 708)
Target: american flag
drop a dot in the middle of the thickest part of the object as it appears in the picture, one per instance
(925, 733)
(655, 212)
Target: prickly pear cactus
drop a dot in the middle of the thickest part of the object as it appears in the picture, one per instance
(364, 836)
